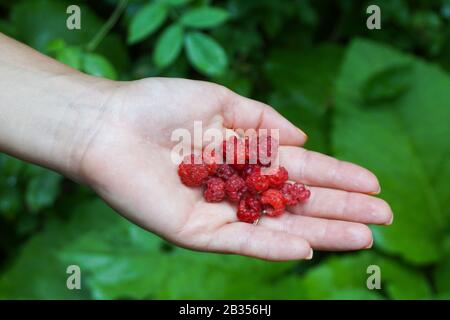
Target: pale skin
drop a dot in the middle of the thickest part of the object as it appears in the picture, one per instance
(115, 137)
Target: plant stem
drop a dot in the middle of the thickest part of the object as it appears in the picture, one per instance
(104, 30)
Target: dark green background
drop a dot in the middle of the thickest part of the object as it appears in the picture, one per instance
(379, 98)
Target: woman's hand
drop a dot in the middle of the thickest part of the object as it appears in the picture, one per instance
(125, 156)
(116, 137)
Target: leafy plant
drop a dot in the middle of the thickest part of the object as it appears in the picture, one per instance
(378, 98)
(204, 53)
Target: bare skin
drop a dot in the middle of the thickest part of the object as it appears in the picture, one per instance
(115, 137)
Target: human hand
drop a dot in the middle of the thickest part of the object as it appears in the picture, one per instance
(126, 159)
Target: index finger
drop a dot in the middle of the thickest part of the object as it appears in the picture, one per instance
(320, 170)
(245, 113)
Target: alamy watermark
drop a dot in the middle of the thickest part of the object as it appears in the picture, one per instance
(374, 20)
(374, 280)
(73, 21)
(247, 146)
(73, 281)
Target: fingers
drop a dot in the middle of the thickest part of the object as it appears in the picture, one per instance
(322, 234)
(244, 113)
(343, 205)
(260, 242)
(317, 169)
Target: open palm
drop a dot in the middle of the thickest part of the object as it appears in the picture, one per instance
(128, 163)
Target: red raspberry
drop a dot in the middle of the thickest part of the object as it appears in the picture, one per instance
(294, 193)
(235, 152)
(273, 202)
(249, 209)
(267, 146)
(214, 190)
(256, 182)
(278, 178)
(235, 187)
(248, 169)
(191, 174)
(210, 161)
(225, 171)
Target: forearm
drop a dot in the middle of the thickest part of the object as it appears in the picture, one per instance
(47, 110)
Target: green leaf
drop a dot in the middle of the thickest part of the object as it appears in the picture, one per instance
(124, 261)
(70, 56)
(10, 201)
(10, 166)
(176, 3)
(303, 81)
(40, 21)
(55, 45)
(42, 190)
(37, 272)
(405, 144)
(98, 65)
(345, 277)
(204, 17)
(205, 54)
(146, 21)
(388, 84)
(441, 274)
(168, 46)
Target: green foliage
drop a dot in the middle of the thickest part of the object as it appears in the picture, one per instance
(417, 122)
(168, 46)
(146, 21)
(204, 17)
(205, 54)
(377, 98)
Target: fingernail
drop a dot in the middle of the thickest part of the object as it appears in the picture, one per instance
(390, 221)
(370, 245)
(377, 192)
(302, 132)
(310, 255)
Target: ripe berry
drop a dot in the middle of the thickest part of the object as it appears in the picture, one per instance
(225, 171)
(249, 209)
(256, 182)
(248, 169)
(235, 187)
(278, 178)
(191, 174)
(214, 190)
(294, 193)
(235, 152)
(209, 158)
(273, 202)
(242, 181)
(267, 146)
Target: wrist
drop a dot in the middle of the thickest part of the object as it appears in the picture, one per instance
(86, 100)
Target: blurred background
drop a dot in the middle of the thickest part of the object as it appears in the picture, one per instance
(380, 98)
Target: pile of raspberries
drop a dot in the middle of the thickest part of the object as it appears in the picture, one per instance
(242, 182)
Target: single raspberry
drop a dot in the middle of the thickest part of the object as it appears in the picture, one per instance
(273, 202)
(214, 190)
(209, 158)
(294, 193)
(248, 169)
(249, 209)
(235, 152)
(235, 187)
(225, 171)
(256, 182)
(278, 178)
(192, 174)
(267, 146)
